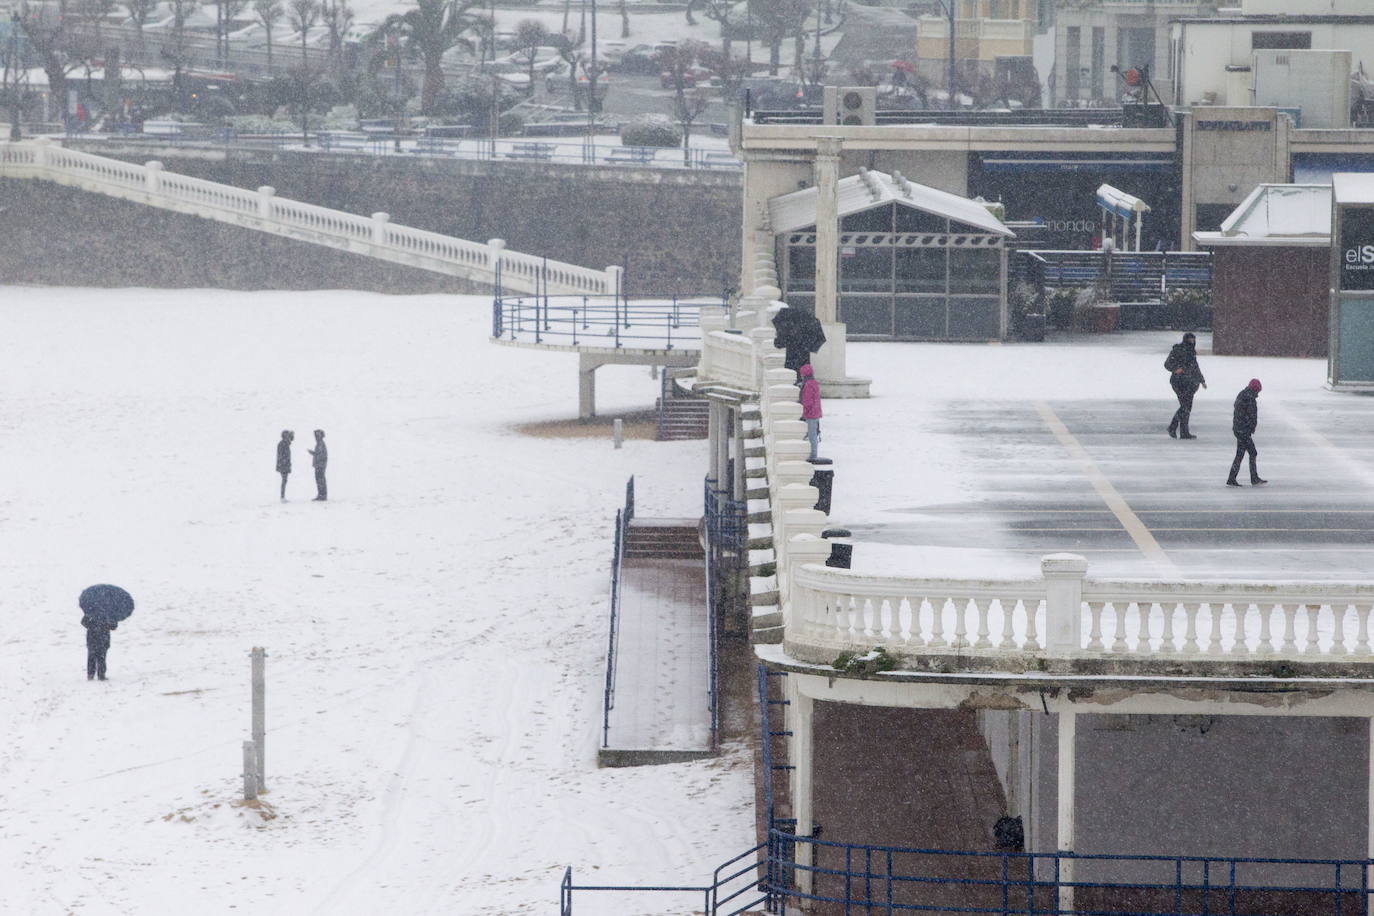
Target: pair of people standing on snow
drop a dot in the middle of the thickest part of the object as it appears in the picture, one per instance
(1185, 376)
(319, 458)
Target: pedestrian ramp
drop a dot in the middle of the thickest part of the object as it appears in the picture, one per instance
(659, 697)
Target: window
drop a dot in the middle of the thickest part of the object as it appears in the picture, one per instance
(1300, 41)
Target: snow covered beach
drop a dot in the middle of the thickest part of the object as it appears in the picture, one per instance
(435, 632)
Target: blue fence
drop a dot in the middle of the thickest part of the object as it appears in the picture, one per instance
(610, 321)
(623, 517)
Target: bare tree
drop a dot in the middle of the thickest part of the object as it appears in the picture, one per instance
(624, 20)
(779, 20)
(269, 13)
(530, 34)
(337, 16)
(303, 14)
(689, 100)
(720, 11)
(140, 11)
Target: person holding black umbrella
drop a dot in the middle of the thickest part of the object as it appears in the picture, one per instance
(102, 607)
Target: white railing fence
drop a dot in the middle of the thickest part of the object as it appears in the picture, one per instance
(374, 236)
(1066, 614)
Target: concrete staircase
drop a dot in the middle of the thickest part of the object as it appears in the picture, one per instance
(664, 539)
(682, 418)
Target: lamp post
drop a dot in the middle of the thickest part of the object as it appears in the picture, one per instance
(398, 91)
(949, 6)
(12, 75)
(593, 100)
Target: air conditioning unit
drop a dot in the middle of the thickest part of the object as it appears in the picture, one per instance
(849, 105)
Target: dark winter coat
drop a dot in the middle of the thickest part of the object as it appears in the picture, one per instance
(319, 455)
(97, 631)
(1184, 356)
(283, 457)
(1246, 415)
(800, 334)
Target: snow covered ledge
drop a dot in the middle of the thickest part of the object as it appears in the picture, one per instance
(1065, 623)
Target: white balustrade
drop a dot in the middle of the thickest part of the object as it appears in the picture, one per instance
(261, 209)
(1080, 617)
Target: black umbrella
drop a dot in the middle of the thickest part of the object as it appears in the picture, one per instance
(109, 602)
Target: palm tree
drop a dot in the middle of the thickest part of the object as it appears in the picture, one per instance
(303, 14)
(428, 31)
(269, 13)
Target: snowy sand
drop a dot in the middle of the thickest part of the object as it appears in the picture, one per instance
(435, 631)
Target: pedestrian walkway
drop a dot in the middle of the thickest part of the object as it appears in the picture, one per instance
(662, 702)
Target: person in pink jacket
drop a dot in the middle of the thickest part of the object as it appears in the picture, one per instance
(811, 407)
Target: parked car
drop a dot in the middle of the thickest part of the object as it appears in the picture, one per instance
(639, 59)
(545, 57)
(692, 77)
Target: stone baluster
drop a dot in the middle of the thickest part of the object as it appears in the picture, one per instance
(1095, 625)
(1311, 648)
(1008, 606)
(983, 605)
(1290, 642)
(1166, 642)
(937, 622)
(1266, 639)
(1362, 645)
(1063, 574)
(1190, 611)
(1119, 610)
(1339, 644)
(379, 221)
(960, 605)
(1032, 609)
(1240, 612)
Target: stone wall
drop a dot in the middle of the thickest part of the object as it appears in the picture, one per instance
(676, 231)
(58, 236)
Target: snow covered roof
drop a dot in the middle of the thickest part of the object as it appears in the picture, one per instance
(1277, 214)
(869, 189)
(1353, 187)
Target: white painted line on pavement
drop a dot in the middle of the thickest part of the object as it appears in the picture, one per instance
(1360, 470)
(1128, 519)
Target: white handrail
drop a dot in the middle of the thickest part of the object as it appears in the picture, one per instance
(373, 236)
(836, 609)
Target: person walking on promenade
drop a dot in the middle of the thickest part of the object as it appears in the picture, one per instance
(284, 459)
(319, 457)
(811, 407)
(1244, 419)
(97, 644)
(1184, 378)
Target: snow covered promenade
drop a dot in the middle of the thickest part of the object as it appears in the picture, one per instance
(435, 632)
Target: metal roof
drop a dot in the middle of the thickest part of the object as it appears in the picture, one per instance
(871, 188)
(1277, 214)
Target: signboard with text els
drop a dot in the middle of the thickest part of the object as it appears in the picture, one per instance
(1357, 248)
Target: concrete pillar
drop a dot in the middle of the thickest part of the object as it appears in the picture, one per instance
(827, 228)
(802, 709)
(713, 426)
(586, 386)
(1369, 807)
(265, 195)
(1068, 729)
(154, 173)
(721, 445)
(615, 280)
(379, 221)
(1064, 573)
(737, 436)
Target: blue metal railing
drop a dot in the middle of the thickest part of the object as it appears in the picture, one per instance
(734, 888)
(890, 879)
(623, 516)
(611, 321)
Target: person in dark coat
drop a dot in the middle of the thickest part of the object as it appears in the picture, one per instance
(799, 333)
(1184, 378)
(1244, 419)
(319, 457)
(284, 459)
(97, 644)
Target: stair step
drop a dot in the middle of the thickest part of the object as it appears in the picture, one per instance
(756, 451)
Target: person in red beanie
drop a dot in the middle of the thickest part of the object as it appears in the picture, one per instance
(1244, 419)
(811, 407)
